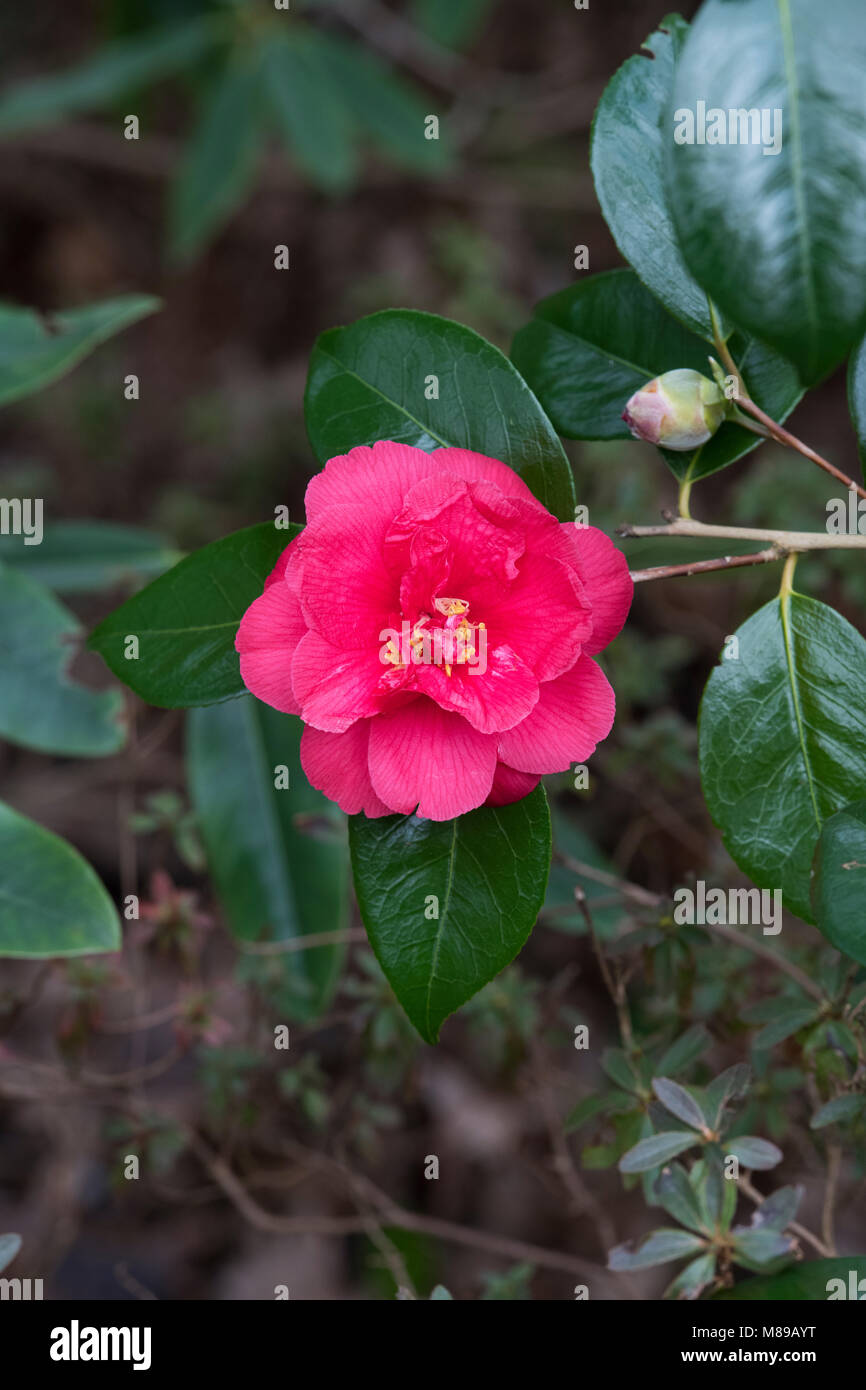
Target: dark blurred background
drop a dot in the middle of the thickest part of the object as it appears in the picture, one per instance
(215, 442)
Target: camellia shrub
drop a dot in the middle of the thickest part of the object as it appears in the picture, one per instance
(428, 642)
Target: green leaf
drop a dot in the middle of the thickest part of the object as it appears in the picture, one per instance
(117, 70)
(391, 110)
(298, 82)
(187, 619)
(731, 1084)
(78, 557)
(857, 395)
(277, 872)
(753, 1152)
(840, 876)
(627, 159)
(838, 1110)
(658, 1248)
(777, 238)
(368, 382)
(9, 1247)
(36, 349)
(40, 707)
(452, 26)
(677, 1100)
(678, 1197)
(219, 164)
(618, 1067)
(809, 1282)
(779, 1209)
(684, 1050)
(782, 737)
(51, 902)
(760, 1247)
(441, 1295)
(587, 1109)
(656, 1150)
(588, 348)
(694, 1278)
(795, 1017)
(485, 873)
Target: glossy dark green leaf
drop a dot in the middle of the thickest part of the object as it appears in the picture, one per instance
(186, 621)
(371, 381)
(51, 902)
(627, 158)
(838, 1110)
(777, 238)
(857, 394)
(679, 1102)
(309, 109)
(839, 885)
(658, 1248)
(484, 874)
(278, 855)
(655, 1150)
(782, 739)
(36, 349)
(40, 707)
(590, 347)
(813, 1281)
(219, 163)
(391, 110)
(117, 70)
(78, 557)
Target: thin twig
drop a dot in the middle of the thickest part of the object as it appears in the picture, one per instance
(834, 1164)
(785, 541)
(304, 943)
(725, 562)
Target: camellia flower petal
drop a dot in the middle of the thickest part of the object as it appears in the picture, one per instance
(434, 627)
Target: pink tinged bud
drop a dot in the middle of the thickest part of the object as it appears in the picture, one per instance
(678, 410)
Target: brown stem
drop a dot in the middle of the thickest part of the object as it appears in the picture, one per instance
(725, 562)
(783, 436)
(784, 541)
(613, 983)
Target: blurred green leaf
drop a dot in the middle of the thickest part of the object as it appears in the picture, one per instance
(839, 880)
(51, 902)
(9, 1247)
(808, 1282)
(115, 71)
(78, 557)
(40, 707)
(451, 25)
(838, 1110)
(309, 110)
(679, 1102)
(658, 1248)
(219, 163)
(277, 878)
(36, 349)
(656, 1150)
(753, 1152)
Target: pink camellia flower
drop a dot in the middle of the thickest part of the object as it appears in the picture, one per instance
(434, 627)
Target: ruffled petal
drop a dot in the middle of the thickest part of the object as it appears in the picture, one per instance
(267, 637)
(574, 713)
(493, 695)
(604, 570)
(423, 758)
(336, 764)
(333, 687)
(374, 478)
(345, 591)
(479, 468)
(543, 616)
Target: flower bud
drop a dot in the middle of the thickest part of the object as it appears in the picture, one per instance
(678, 410)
